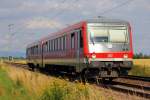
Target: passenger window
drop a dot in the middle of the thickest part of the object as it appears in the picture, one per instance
(81, 39)
(60, 43)
(49, 46)
(58, 40)
(37, 49)
(46, 47)
(55, 44)
(52, 45)
(64, 43)
(72, 40)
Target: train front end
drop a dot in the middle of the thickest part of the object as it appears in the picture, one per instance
(109, 46)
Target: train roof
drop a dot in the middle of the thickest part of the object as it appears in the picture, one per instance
(106, 20)
(33, 44)
(93, 20)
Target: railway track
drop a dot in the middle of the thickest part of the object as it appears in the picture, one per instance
(140, 78)
(133, 89)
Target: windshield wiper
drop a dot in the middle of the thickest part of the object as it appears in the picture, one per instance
(92, 39)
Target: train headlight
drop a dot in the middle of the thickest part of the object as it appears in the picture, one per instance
(93, 56)
(125, 56)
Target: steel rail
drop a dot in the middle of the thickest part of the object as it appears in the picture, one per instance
(140, 78)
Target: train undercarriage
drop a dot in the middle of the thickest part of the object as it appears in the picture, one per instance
(102, 71)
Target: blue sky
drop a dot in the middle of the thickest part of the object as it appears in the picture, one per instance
(32, 19)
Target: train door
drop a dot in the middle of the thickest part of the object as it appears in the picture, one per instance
(79, 48)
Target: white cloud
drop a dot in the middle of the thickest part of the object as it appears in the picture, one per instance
(44, 6)
(26, 11)
(42, 23)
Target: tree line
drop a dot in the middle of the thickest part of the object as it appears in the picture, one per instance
(141, 56)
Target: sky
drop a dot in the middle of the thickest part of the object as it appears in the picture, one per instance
(24, 21)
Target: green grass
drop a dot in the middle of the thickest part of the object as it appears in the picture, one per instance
(10, 90)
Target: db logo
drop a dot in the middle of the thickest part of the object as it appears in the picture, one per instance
(110, 55)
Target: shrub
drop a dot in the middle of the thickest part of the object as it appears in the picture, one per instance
(55, 92)
(66, 91)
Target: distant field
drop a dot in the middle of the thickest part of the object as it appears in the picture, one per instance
(141, 67)
(138, 62)
(142, 62)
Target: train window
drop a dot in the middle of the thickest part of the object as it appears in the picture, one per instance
(72, 40)
(81, 39)
(49, 45)
(58, 40)
(33, 50)
(46, 46)
(61, 43)
(37, 49)
(54, 44)
(28, 52)
(64, 43)
(57, 43)
(43, 47)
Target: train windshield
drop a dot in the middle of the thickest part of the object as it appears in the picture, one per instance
(114, 34)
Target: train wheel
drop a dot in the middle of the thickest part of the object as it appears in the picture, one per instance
(103, 80)
(32, 67)
(110, 79)
(98, 81)
(84, 76)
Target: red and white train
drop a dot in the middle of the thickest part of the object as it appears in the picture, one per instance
(98, 47)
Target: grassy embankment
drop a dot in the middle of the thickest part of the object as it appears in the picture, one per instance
(21, 84)
(141, 67)
(9, 89)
